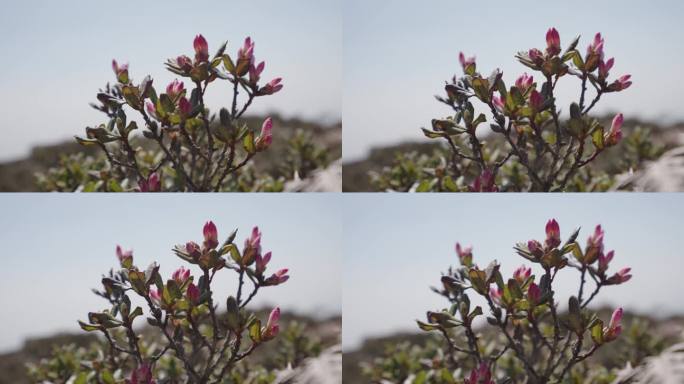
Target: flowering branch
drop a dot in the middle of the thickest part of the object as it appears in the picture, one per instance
(526, 116)
(524, 309)
(195, 154)
(183, 310)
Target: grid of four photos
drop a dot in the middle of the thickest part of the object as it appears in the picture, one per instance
(159, 258)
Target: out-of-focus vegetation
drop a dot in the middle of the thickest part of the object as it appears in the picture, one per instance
(301, 337)
(297, 145)
(417, 166)
(397, 357)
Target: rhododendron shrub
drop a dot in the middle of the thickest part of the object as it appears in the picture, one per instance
(519, 141)
(182, 147)
(194, 343)
(529, 339)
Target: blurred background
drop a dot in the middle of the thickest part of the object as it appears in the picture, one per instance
(59, 54)
(398, 54)
(57, 247)
(393, 255)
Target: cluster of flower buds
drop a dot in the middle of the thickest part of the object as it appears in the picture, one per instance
(547, 254)
(209, 255)
(252, 251)
(594, 251)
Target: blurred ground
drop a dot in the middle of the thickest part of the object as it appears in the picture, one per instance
(13, 365)
(355, 174)
(19, 175)
(671, 329)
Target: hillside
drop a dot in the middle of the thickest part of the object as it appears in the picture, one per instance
(355, 174)
(670, 329)
(13, 364)
(19, 175)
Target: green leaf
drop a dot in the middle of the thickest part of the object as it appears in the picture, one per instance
(597, 138)
(248, 142)
(255, 331)
(89, 327)
(426, 327)
(597, 332)
(431, 134)
(228, 63)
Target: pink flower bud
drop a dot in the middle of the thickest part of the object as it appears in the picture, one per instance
(277, 278)
(123, 255)
(615, 134)
(175, 88)
(536, 101)
(480, 375)
(534, 294)
(614, 328)
(495, 295)
(271, 87)
(620, 84)
(465, 61)
(254, 240)
(498, 103)
(604, 68)
(181, 275)
(524, 82)
(594, 246)
(255, 72)
(266, 137)
(552, 234)
(193, 249)
(247, 50)
(596, 46)
(522, 274)
(184, 107)
(141, 375)
(193, 294)
(119, 69)
(151, 109)
(155, 296)
(272, 328)
(536, 56)
(184, 63)
(486, 182)
(620, 277)
(535, 248)
(604, 260)
(465, 255)
(152, 184)
(261, 262)
(552, 42)
(201, 48)
(210, 235)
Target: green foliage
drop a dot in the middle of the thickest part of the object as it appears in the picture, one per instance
(303, 156)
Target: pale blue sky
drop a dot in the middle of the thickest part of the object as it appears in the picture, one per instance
(56, 55)
(56, 247)
(397, 55)
(397, 245)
